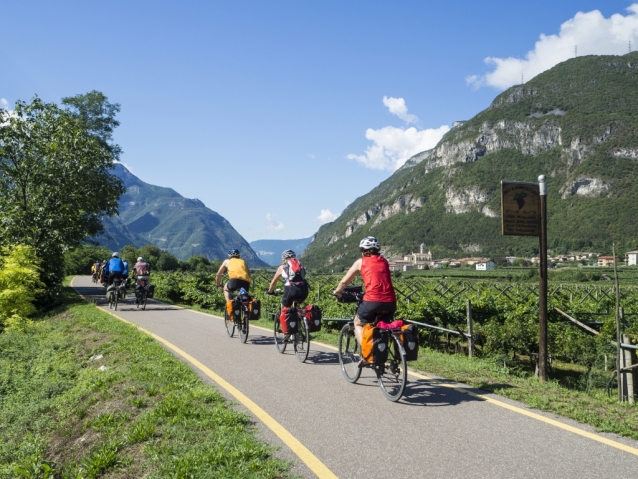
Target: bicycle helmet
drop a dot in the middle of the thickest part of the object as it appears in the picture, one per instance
(233, 253)
(140, 259)
(368, 243)
(115, 255)
(288, 254)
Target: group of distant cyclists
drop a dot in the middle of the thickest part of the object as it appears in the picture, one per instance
(117, 269)
(379, 303)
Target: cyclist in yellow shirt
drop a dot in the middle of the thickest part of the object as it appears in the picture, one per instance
(238, 274)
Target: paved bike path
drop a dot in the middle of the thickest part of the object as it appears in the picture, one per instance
(434, 431)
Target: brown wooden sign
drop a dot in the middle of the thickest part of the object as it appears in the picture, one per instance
(520, 208)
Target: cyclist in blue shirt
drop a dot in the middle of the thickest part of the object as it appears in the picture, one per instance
(114, 268)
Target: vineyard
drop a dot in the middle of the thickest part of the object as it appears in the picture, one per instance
(505, 314)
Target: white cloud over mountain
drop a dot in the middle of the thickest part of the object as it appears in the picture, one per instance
(590, 32)
(393, 146)
(273, 224)
(326, 216)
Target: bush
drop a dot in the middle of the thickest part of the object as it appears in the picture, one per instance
(19, 283)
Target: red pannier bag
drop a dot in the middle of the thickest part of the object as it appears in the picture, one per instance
(313, 316)
(289, 320)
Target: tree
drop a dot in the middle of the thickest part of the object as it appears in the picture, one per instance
(55, 184)
(80, 260)
(19, 283)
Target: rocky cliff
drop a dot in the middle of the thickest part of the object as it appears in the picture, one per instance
(575, 123)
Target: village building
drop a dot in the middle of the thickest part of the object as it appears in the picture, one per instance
(631, 258)
(606, 261)
(485, 265)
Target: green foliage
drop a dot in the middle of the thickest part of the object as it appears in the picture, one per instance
(55, 184)
(80, 259)
(19, 284)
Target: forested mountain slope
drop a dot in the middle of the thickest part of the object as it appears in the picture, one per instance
(181, 226)
(577, 123)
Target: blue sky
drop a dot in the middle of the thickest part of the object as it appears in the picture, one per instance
(277, 113)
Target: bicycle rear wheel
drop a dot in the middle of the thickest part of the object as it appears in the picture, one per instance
(116, 294)
(392, 381)
(243, 326)
(349, 354)
(302, 342)
(230, 325)
(279, 336)
(144, 300)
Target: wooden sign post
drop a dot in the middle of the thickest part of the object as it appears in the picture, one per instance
(524, 213)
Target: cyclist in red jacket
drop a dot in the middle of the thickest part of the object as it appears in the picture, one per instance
(380, 301)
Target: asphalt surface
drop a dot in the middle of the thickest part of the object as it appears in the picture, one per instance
(434, 431)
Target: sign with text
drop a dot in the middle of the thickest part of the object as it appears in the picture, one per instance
(520, 208)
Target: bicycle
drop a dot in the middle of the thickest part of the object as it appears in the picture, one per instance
(141, 293)
(301, 339)
(115, 294)
(94, 277)
(391, 376)
(240, 319)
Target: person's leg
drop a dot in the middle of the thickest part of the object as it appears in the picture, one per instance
(358, 329)
(226, 292)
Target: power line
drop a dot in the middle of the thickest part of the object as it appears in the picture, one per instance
(575, 51)
(629, 46)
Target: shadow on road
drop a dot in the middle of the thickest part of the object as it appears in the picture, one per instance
(420, 392)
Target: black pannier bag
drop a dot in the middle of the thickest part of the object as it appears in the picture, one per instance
(380, 348)
(151, 291)
(313, 316)
(410, 335)
(254, 310)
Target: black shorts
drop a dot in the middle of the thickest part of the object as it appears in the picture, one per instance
(113, 275)
(372, 311)
(294, 292)
(236, 284)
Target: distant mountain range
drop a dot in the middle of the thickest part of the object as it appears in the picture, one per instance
(162, 217)
(270, 251)
(575, 123)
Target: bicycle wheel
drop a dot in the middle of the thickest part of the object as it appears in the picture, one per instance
(392, 381)
(279, 336)
(349, 354)
(244, 325)
(111, 301)
(117, 295)
(230, 325)
(144, 300)
(302, 342)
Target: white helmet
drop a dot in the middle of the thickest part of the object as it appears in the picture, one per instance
(288, 254)
(368, 243)
(115, 255)
(140, 259)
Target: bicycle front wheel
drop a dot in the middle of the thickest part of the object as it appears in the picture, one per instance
(394, 376)
(349, 354)
(143, 300)
(243, 326)
(116, 294)
(230, 325)
(279, 336)
(302, 342)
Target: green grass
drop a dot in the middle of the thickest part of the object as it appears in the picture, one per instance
(136, 411)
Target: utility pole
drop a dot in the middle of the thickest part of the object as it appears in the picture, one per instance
(575, 51)
(522, 82)
(618, 336)
(542, 293)
(629, 46)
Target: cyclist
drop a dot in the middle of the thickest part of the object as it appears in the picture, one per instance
(380, 301)
(294, 277)
(141, 270)
(114, 268)
(95, 268)
(238, 274)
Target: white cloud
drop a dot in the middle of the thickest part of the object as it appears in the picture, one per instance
(591, 32)
(4, 104)
(326, 216)
(394, 146)
(273, 224)
(398, 107)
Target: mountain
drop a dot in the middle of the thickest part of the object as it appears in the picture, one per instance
(162, 217)
(576, 123)
(270, 251)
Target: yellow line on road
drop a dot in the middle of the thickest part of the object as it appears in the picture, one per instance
(313, 463)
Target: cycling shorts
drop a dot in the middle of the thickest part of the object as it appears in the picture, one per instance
(372, 311)
(236, 284)
(294, 292)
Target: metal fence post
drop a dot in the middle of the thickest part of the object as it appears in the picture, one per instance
(470, 330)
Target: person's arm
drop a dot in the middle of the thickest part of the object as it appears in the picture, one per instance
(352, 272)
(222, 270)
(275, 278)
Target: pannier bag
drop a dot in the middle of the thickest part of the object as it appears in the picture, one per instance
(151, 291)
(374, 347)
(229, 308)
(410, 342)
(289, 320)
(254, 309)
(313, 316)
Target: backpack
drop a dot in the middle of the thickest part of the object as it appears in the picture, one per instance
(295, 271)
(374, 347)
(289, 320)
(313, 314)
(410, 342)
(254, 309)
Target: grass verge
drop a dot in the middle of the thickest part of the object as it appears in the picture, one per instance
(83, 395)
